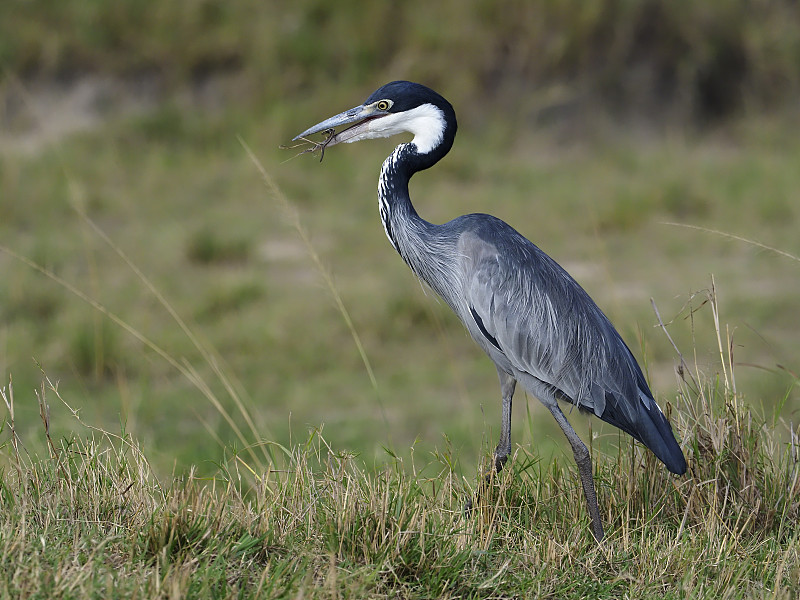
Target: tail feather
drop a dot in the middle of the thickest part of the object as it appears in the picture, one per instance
(651, 428)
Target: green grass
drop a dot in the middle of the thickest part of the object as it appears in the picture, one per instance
(93, 519)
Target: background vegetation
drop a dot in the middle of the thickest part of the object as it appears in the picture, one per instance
(607, 132)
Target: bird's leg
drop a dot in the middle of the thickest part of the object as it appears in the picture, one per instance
(507, 386)
(584, 462)
(503, 449)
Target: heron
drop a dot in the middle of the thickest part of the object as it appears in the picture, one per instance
(535, 322)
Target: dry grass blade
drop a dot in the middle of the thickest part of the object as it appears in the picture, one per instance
(738, 238)
(294, 218)
(209, 355)
(8, 397)
(684, 366)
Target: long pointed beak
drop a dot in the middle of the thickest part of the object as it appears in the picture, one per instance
(349, 116)
(357, 113)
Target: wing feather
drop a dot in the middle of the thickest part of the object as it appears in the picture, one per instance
(546, 325)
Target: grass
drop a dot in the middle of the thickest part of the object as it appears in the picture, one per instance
(94, 519)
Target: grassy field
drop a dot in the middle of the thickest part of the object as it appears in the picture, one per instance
(178, 195)
(310, 521)
(255, 344)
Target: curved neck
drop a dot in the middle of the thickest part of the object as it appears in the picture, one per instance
(425, 247)
(398, 215)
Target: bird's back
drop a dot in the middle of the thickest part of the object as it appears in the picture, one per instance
(534, 320)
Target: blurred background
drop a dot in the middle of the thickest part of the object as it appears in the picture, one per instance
(618, 135)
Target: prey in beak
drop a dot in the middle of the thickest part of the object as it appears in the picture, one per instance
(315, 145)
(363, 118)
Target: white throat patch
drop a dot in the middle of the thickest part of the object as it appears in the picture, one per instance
(426, 122)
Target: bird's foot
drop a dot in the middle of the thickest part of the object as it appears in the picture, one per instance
(499, 461)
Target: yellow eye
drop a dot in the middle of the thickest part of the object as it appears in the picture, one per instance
(384, 105)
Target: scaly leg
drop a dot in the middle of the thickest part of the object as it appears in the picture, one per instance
(584, 462)
(503, 449)
(507, 386)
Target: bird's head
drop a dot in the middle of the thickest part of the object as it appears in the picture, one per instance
(397, 107)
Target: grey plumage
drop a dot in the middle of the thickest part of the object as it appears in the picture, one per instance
(534, 321)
